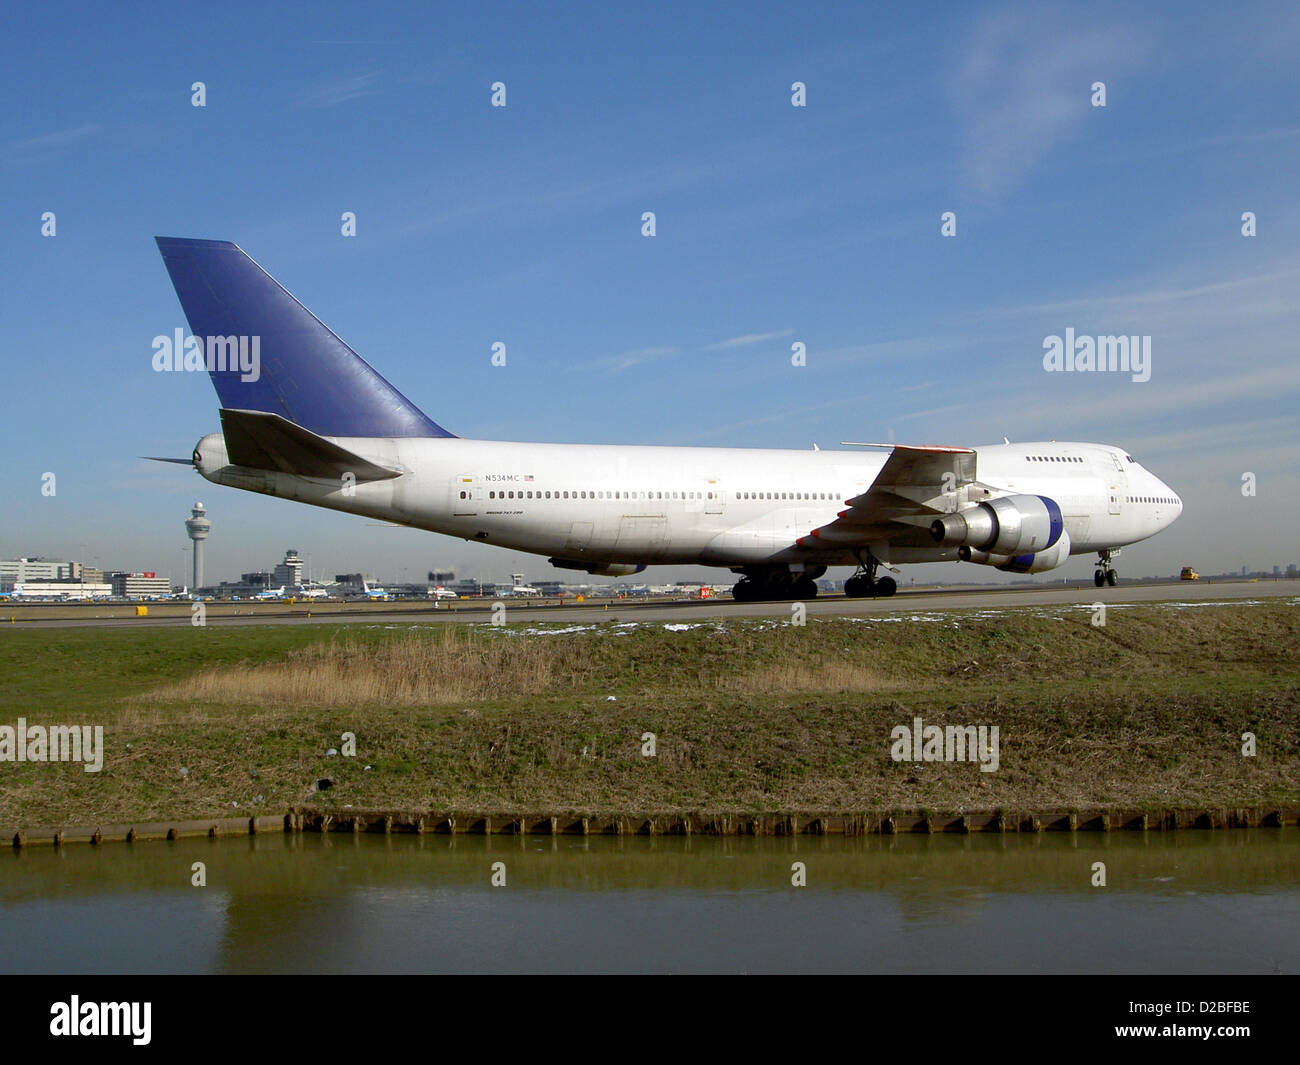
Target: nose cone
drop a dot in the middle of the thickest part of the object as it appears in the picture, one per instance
(1175, 506)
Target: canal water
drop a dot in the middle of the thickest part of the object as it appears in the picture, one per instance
(1185, 902)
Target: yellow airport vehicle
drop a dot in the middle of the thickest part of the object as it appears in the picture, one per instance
(1189, 574)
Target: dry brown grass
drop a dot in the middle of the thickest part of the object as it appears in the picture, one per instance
(454, 666)
(832, 676)
(417, 669)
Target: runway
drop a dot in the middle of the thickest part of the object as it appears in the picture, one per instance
(906, 604)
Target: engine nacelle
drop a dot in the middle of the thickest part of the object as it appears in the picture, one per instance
(1009, 525)
(1037, 562)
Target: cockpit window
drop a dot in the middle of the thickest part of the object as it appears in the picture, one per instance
(1131, 459)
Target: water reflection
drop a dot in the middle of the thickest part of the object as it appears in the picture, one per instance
(1174, 902)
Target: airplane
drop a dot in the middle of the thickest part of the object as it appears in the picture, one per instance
(444, 593)
(374, 593)
(315, 423)
(271, 593)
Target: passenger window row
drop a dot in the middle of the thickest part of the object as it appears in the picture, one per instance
(539, 494)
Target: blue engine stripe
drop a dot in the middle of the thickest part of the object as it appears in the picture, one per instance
(1056, 524)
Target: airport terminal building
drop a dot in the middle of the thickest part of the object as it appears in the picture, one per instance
(139, 585)
(26, 570)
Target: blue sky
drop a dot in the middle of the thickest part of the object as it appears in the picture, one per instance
(775, 224)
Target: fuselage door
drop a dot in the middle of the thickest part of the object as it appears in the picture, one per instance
(465, 496)
(1117, 485)
(713, 496)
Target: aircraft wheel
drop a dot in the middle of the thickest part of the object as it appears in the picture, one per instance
(886, 586)
(1099, 578)
(805, 588)
(857, 587)
(1112, 578)
(743, 591)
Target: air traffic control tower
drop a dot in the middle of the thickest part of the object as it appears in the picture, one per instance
(197, 527)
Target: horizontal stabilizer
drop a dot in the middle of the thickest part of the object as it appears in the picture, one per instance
(268, 442)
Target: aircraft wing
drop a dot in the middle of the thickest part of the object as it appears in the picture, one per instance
(916, 483)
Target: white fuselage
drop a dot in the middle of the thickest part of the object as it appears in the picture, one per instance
(731, 507)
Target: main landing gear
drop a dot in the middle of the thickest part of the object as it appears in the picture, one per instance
(865, 584)
(759, 585)
(1104, 574)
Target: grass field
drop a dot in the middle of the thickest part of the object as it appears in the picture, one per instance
(749, 716)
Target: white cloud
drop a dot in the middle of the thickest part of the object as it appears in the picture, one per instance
(34, 148)
(628, 359)
(748, 339)
(1023, 86)
(341, 91)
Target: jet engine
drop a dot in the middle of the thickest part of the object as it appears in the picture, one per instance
(1036, 562)
(1009, 525)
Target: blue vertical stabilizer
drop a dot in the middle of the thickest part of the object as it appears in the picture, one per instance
(305, 373)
